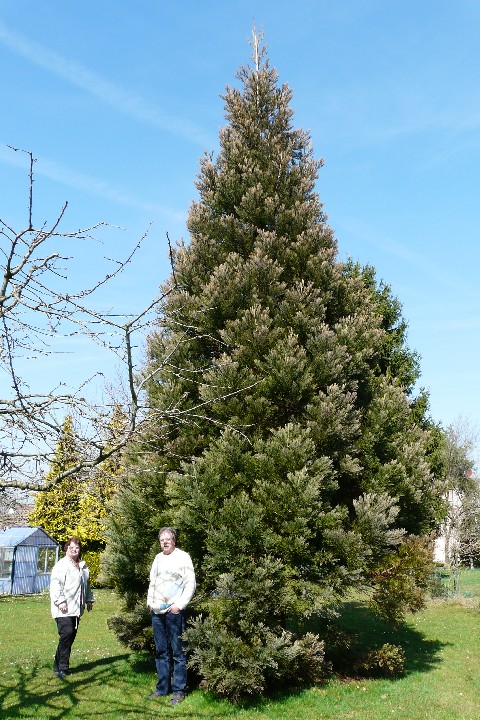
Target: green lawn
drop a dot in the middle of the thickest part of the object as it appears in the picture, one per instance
(442, 681)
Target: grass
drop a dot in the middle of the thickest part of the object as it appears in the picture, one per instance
(442, 679)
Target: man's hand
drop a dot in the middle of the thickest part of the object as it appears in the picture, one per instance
(174, 609)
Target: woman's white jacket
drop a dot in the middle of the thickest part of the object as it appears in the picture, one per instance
(67, 584)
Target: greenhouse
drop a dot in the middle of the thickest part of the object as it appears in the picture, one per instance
(27, 556)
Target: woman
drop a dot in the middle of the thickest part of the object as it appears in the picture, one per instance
(69, 594)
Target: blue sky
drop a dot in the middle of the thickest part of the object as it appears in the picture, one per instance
(118, 102)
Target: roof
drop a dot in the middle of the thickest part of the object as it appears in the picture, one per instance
(13, 536)
(15, 513)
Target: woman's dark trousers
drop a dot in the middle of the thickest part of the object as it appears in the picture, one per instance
(67, 632)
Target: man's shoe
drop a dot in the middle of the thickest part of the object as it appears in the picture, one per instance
(178, 698)
(155, 696)
(61, 675)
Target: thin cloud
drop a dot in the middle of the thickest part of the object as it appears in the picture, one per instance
(365, 234)
(104, 90)
(409, 106)
(100, 188)
(469, 323)
(87, 183)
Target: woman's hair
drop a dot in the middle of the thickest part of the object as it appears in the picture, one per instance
(76, 541)
(170, 530)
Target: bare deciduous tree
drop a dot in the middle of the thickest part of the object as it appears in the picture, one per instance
(460, 531)
(38, 306)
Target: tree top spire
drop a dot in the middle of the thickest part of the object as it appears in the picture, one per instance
(259, 49)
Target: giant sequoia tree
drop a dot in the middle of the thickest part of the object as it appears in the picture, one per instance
(306, 472)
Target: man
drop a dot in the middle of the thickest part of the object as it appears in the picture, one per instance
(172, 584)
(70, 593)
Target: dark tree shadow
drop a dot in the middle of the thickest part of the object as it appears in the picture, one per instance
(99, 665)
(35, 686)
(34, 689)
(352, 634)
(367, 631)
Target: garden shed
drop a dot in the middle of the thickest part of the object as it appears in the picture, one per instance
(27, 556)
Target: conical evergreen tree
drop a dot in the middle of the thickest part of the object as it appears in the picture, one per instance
(303, 465)
(57, 509)
(79, 504)
(95, 503)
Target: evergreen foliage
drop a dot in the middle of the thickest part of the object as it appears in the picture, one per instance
(98, 492)
(306, 472)
(56, 509)
(79, 504)
(386, 661)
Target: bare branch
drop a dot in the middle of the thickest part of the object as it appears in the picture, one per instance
(36, 311)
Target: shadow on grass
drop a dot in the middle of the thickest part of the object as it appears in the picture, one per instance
(99, 665)
(365, 631)
(368, 631)
(33, 689)
(142, 662)
(116, 687)
(111, 688)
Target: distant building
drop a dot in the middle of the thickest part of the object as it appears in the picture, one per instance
(15, 514)
(27, 556)
(446, 544)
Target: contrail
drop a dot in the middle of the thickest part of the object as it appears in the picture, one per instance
(104, 90)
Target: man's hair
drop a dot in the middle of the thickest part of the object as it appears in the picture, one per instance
(170, 530)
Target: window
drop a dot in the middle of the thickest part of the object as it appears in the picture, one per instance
(51, 558)
(6, 559)
(46, 559)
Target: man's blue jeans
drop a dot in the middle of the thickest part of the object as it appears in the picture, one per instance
(167, 631)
